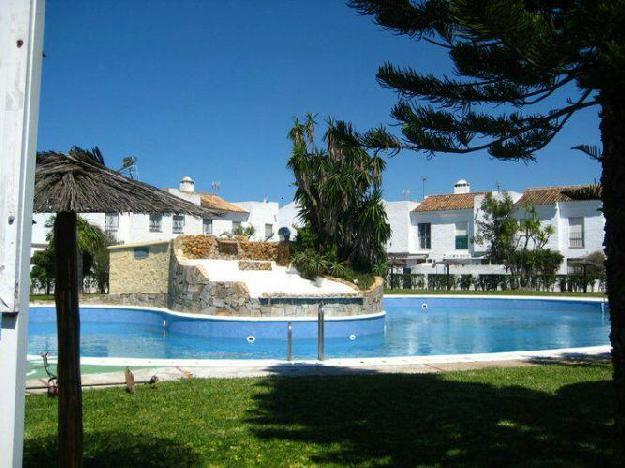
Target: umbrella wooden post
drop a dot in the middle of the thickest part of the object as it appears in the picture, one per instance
(68, 329)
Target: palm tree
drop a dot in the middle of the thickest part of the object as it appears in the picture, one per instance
(339, 193)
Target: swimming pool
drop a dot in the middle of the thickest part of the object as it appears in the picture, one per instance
(412, 326)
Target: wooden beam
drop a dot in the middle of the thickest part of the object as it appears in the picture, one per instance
(21, 52)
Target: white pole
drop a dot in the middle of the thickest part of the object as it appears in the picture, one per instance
(21, 53)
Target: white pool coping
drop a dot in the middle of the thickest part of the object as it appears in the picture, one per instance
(500, 296)
(562, 353)
(222, 318)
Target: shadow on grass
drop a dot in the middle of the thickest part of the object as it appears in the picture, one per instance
(114, 449)
(574, 359)
(406, 420)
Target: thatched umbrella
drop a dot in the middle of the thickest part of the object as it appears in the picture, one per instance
(67, 185)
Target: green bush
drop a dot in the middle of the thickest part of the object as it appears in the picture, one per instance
(492, 282)
(438, 282)
(465, 282)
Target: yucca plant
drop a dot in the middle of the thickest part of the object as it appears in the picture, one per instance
(339, 195)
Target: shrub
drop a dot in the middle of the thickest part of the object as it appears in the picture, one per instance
(438, 282)
(465, 282)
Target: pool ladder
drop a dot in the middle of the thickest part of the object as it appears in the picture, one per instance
(320, 337)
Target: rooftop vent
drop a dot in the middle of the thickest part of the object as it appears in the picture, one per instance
(462, 186)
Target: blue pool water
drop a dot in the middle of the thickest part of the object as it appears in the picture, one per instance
(447, 326)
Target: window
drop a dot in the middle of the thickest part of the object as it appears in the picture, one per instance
(576, 233)
(111, 223)
(236, 225)
(425, 235)
(141, 252)
(462, 236)
(177, 226)
(156, 222)
(207, 226)
(268, 230)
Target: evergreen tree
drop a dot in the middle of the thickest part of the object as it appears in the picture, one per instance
(516, 56)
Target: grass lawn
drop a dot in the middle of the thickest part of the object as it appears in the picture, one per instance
(496, 293)
(42, 297)
(545, 415)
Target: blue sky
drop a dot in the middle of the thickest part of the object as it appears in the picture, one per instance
(210, 88)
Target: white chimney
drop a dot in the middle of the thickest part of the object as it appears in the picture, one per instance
(462, 186)
(186, 184)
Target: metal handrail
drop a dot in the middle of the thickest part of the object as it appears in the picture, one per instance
(321, 333)
(289, 341)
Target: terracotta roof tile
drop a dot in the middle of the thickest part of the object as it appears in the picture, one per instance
(550, 195)
(218, 203)
(450, 201)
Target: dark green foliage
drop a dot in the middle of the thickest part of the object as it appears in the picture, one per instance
(491, 282)
(439, 282)
(465, 282)
(43, 269)
(92, 244)
(498, 228)
(519, 244)
(514, 54)
(340, 199)
(522, 69)
(405, 281)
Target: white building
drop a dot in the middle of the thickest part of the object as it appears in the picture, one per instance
(440, 229)
(139, 227)
(263, 217)
(425, 236)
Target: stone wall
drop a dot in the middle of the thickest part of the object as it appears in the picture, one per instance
(166, 279)
(192, 291)
(251, 265)
(132, 272)
(235, 248)
(133, 299)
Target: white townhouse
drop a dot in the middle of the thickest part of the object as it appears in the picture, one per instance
(263, 217)
(270, 221)
(139, 227)
(577, 224)
(427, 236)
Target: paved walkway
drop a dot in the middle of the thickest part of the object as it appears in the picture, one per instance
(164, 374)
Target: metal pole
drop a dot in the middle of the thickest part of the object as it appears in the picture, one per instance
(289, 341)
(320, 333)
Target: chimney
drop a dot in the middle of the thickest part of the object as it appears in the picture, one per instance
(186, 184)
(462, 186)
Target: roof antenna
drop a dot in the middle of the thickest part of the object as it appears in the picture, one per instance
(215, 186)
(129, 167)
(424, 179)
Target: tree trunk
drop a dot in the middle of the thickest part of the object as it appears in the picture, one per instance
(68, 330)
(613, 196)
